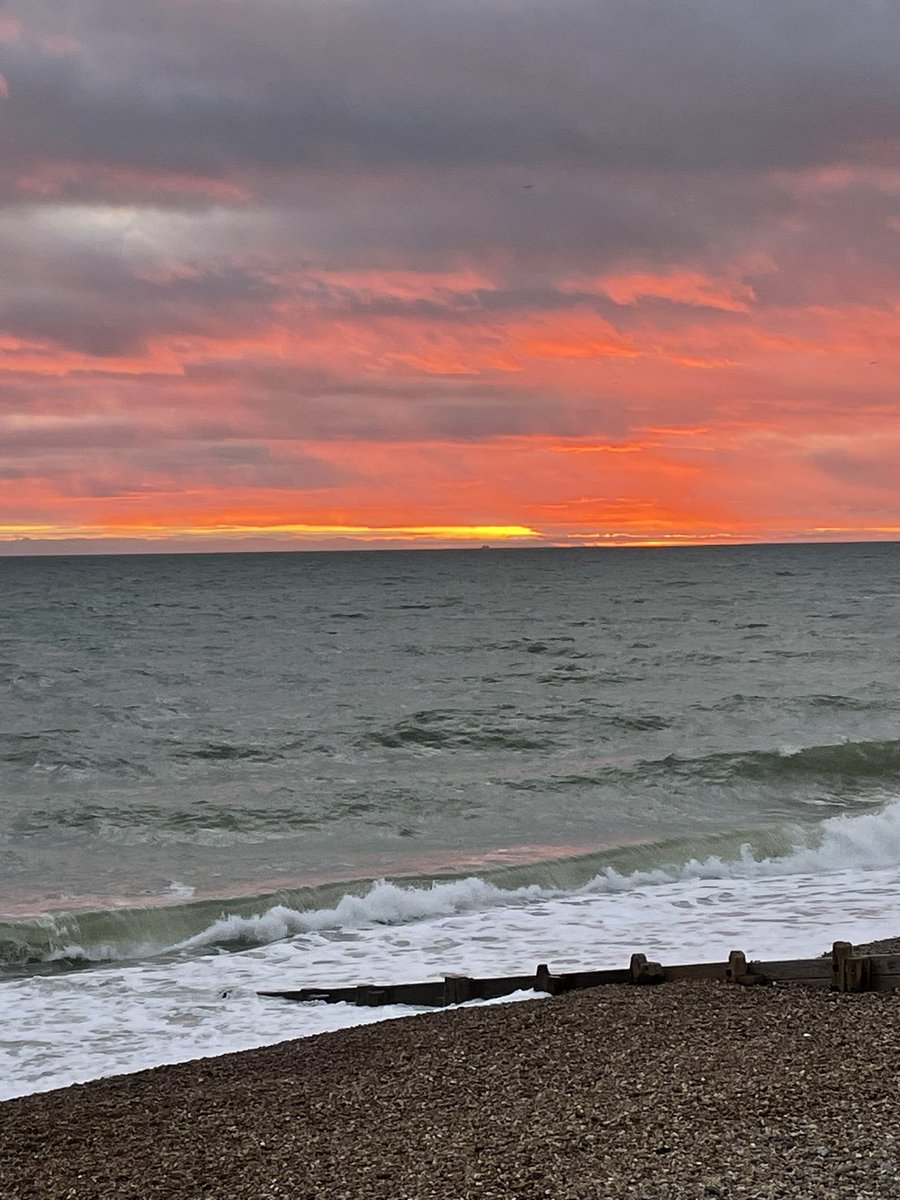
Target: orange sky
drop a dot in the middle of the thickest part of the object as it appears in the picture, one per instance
(606, 275)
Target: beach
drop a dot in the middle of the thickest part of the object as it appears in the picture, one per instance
(449, 557)
(680, 1090)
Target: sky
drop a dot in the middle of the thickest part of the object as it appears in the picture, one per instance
(359, 273)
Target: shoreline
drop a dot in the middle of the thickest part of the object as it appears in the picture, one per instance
(682, 1090)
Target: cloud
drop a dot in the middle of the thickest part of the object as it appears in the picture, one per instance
(192, 86)
(867, 467)
(103, 288)
(384, 265)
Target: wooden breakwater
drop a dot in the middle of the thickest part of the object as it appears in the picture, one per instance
(843, 971)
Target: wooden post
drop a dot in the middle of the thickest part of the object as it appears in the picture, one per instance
(850, 972)
(643, 971)
(543, 980)
(840, 952)
(737, 966)
(738, 970)
(859, 973)
(457, 989)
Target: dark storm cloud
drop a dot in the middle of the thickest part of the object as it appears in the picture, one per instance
(198, 86)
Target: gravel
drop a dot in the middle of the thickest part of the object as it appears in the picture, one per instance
(681, 1090)
(885, 946)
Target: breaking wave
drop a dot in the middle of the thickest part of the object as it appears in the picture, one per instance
(71, 940)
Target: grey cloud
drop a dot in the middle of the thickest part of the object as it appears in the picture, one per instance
(539, 140)
(197, 86)
(842, 250)
(108, 294)
(238, 465)
(289, 403)
(149, 461)
(288, 409)
(75, 436)
(861, 470)
(87, 295)
(105, 292)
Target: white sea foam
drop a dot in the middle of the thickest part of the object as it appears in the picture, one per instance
(62, 1029)
(865, 841)
(385, 904)
(182, 890)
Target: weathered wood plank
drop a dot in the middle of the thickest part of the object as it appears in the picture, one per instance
(842, 970)
(886, 964)
(491, 989)
(883, 972)
(689, 971)
(429, 994)
(573, 981)
(345, 995)
(811, 971)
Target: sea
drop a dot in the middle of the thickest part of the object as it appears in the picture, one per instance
(224, 774)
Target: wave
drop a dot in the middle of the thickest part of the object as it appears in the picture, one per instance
(227, 752)
(838, 763)
(440, 730)
(66, 941)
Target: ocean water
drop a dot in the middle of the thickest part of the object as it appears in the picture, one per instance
(226, 773)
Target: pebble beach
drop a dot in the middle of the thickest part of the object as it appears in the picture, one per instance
(680, 1090)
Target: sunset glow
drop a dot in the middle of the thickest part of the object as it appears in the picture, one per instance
(599, 273)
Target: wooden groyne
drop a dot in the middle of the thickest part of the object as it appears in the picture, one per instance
(842, 971)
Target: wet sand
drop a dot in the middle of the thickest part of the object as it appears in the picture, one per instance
(681, 1090)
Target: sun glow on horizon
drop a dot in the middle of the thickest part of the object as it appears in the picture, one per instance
(301, 530)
